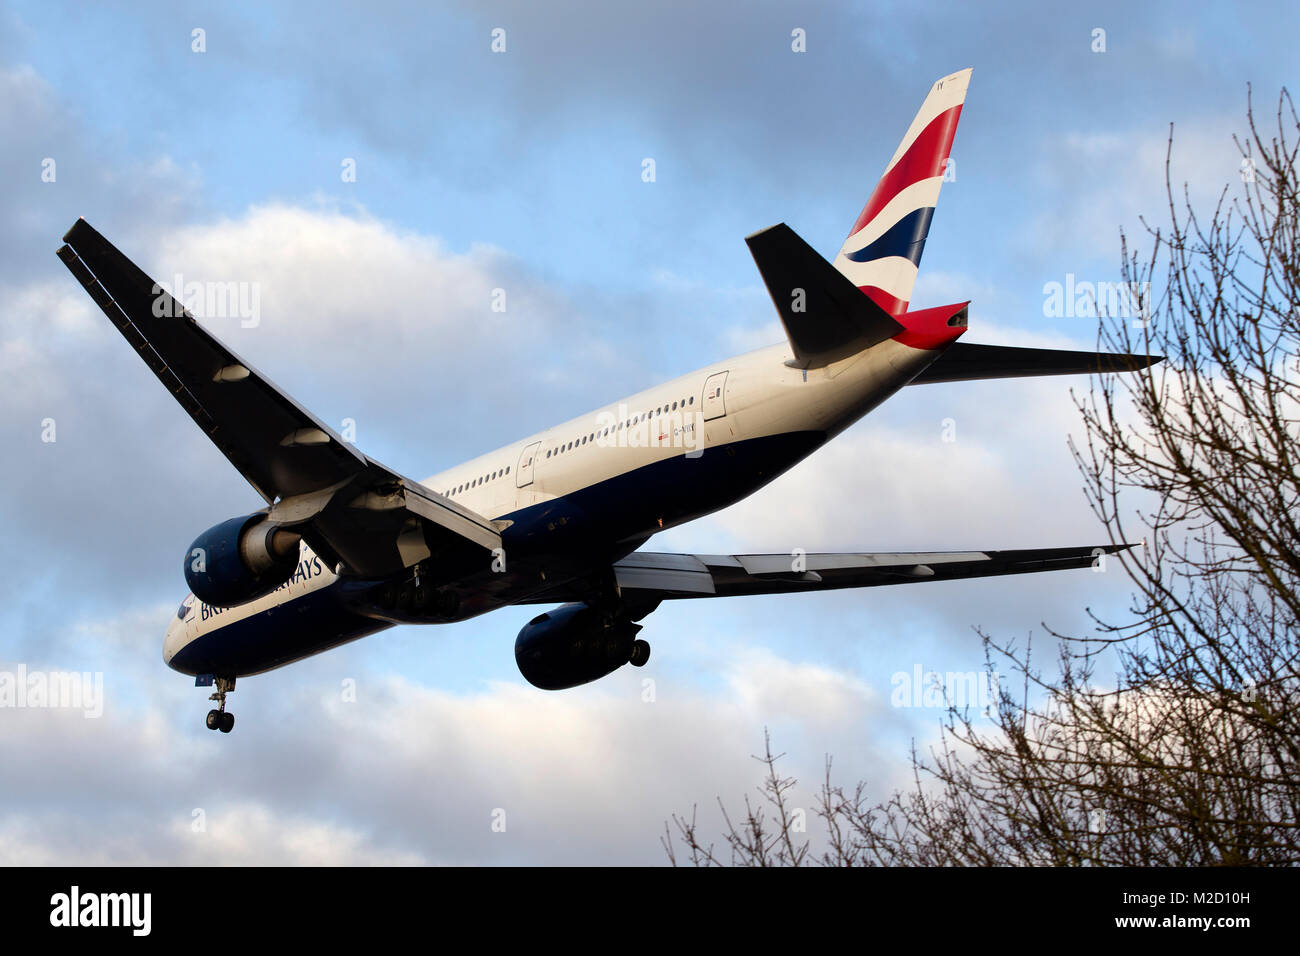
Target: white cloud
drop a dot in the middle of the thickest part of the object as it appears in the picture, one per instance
(1102, 180)
(411, 773)
(245, 834)
(330, 278)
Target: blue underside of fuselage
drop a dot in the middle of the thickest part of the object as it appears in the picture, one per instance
(603, 520)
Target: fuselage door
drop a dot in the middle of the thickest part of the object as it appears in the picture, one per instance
(524, 470)
(715, 387)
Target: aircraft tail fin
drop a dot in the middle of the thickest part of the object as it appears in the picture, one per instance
(883, 251)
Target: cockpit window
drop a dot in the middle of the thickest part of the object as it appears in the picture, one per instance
(183, 610)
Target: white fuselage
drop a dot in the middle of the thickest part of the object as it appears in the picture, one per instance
(762, 397)
(739, 400)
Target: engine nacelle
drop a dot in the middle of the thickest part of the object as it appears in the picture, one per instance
(240, 560)
(572, 645)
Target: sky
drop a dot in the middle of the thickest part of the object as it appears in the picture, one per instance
(521, 170)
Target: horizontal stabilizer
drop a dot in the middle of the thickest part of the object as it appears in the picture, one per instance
(825, 316)
(966, 362)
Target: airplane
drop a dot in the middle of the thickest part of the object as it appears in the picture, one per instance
(345, 547)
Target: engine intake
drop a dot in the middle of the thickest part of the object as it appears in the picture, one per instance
(240, 560)
(574, 645)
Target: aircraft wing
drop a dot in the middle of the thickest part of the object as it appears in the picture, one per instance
(646, 578)
(348, 507)
(966, 362)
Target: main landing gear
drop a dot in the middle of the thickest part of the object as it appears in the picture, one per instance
(221, 719)
(640, 653)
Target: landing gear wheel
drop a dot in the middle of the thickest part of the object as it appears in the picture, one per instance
(220, 719)
(447, 602)
(422, 596)
(640, 653)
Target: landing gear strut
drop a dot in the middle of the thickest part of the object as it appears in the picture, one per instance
(221, 719)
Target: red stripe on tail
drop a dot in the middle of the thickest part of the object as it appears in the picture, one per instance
(924, 159)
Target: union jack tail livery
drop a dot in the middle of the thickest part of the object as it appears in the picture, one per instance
(883, 250)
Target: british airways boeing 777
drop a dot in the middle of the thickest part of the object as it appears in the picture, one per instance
(345, 547)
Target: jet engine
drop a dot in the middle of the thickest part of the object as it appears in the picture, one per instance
(575, 644)
(240, 560)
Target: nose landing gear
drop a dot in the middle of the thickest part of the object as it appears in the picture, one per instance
(221, 719)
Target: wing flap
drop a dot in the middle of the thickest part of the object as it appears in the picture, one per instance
(653, 571)
(452, 516)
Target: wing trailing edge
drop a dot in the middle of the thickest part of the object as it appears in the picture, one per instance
(645, 577)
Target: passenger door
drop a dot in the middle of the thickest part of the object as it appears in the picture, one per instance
(524, 470)
(714, 400)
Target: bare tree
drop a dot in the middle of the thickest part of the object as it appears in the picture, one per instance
(754, 842)
(1187, 753)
